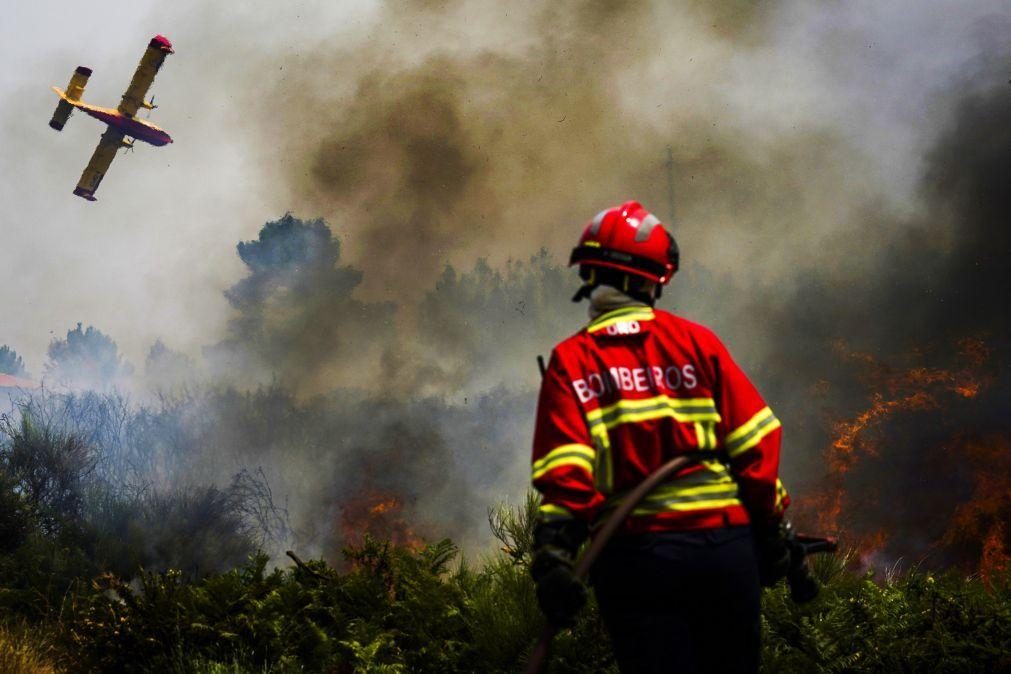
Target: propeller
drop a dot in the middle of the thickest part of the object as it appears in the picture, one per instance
(150, 106)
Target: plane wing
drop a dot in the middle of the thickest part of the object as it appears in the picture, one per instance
(110, 143)
(154, 56)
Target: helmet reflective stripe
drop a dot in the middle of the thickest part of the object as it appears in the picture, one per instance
(597, 221)
(645, 227)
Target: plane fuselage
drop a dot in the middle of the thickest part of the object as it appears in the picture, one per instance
(129, 126)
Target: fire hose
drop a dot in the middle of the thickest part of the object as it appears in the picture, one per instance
(803, 586)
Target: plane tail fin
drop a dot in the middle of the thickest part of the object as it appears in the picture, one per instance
(67, 98)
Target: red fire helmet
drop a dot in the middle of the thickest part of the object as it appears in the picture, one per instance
(630, 239)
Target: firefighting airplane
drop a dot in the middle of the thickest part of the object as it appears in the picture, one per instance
(124, 128)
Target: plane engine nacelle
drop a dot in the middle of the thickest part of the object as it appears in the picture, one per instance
(73, 93)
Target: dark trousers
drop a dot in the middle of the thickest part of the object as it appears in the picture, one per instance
(681, 602)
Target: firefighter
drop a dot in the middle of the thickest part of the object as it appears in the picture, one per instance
(679, 586)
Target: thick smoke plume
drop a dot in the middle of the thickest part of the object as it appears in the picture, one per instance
(799, 250)
(435, 141)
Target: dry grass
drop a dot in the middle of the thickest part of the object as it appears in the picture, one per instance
(24, 651)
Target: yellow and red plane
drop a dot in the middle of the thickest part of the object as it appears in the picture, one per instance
(124, 127)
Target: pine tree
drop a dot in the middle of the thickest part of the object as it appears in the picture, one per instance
(11, 363)
(86, 357)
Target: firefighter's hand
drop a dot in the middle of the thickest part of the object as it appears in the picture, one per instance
(773, 551)
(560, 595)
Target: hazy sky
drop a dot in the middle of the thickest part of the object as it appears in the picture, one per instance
(151, 258)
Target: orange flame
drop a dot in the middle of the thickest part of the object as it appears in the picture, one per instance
(914, 389)
(377, 514)
(851, 441)
(995, 558)
(980, 521)
(384, 506)
(870, 547)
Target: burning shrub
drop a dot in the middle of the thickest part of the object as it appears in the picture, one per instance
(918, 466)
(979, 524)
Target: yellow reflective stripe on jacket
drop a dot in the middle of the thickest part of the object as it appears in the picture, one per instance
(565, 455)
(780, 496)
(746, 436)
(699, 502)
(548, 512)
(702, 410)
(642, 313)
(705, 434)
(713, 487)
(633, 411)
(603, 466)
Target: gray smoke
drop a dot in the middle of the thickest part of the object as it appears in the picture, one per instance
(805, 222)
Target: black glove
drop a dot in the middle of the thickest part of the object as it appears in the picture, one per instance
(560, 596)
(559, 593)
(773, 551)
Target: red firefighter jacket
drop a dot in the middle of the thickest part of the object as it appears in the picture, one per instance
(631, 391)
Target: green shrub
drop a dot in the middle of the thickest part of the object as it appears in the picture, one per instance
(24, 650)
(396, 609)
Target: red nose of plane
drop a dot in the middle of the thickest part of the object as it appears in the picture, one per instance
(161, 42)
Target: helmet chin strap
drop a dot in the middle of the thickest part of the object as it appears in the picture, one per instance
(583, 293)
(588, 274)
